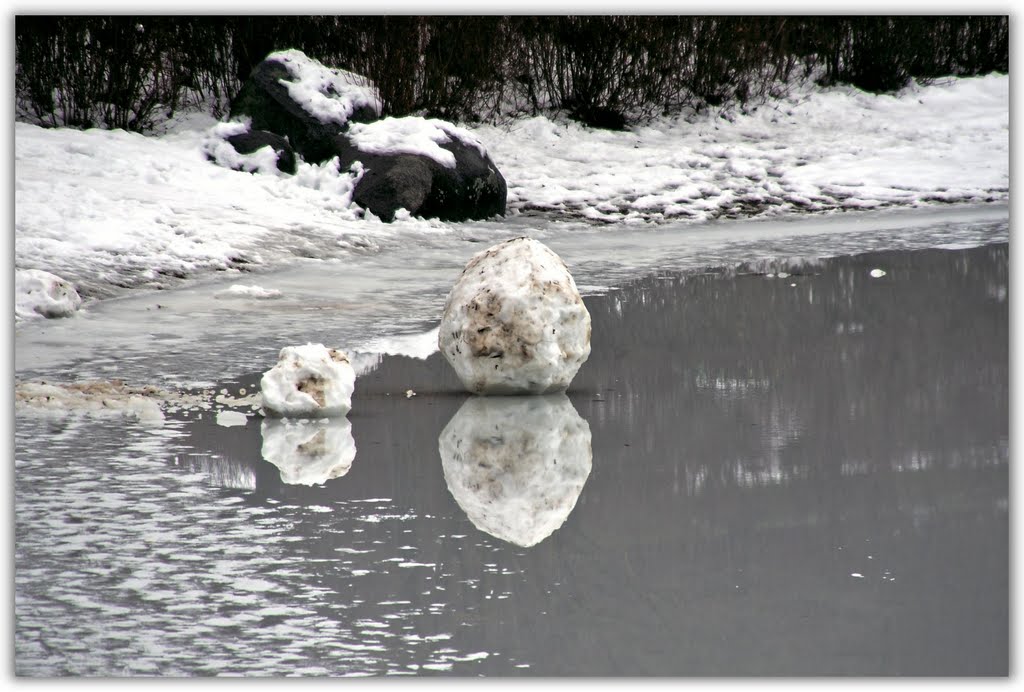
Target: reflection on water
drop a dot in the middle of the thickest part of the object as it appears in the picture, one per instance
(309, 452)
(764, 379)
(791, 475)
(516, 465)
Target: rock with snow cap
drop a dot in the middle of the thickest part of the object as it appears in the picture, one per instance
(309, 452)
(514, 322)
(429, 167)
(298, 98)
(38, 292)
(516, 465)
(310, 381)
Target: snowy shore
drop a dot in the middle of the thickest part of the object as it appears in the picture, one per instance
(111, 211)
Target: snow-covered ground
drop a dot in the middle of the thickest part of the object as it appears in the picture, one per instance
(110, 210)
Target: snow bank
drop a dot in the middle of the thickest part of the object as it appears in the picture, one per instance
(309, 452)
(37, 292)
(412, 135)
(133, 211)
(516, 465)
(308, 381)
(330, 95)
(814, 150)
(514, 321)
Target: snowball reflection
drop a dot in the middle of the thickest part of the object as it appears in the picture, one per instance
(309, 452)
(516, 465)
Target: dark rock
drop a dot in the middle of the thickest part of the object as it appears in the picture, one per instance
(248, 142)
(600, 117)
(474, 189)
(266, 101)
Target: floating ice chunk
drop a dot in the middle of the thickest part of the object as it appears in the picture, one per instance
(877, 273)
(309, 452)
(308, 381)
(516, 465)
(37, 292)
(230, 419)
(514, 322)
(98, 399)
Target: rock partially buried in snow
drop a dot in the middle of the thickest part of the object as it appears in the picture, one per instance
(251, 142)
(310, 381)
(516, 465)
(37, 292)
(309, 452)
(514, 323)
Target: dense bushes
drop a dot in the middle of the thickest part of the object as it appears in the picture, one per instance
(607, 71)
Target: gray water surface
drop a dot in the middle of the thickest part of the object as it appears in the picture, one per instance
(761, 475)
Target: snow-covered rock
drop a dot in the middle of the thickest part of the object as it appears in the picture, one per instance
(309, 452)
(297, 97)
(38, 292)
(429, 167)
(514, 322)
(516, 465)
(310, 381)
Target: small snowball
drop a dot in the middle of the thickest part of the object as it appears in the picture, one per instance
(37, 292)
(309, 452)
(516, 465)
(310, 381)
(514, 322)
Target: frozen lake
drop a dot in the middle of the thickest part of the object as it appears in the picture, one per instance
(768, 475)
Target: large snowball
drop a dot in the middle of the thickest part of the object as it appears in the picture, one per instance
(37, 292)
(309, 452)
(514, 322)
(516, 465)
(308, 381)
